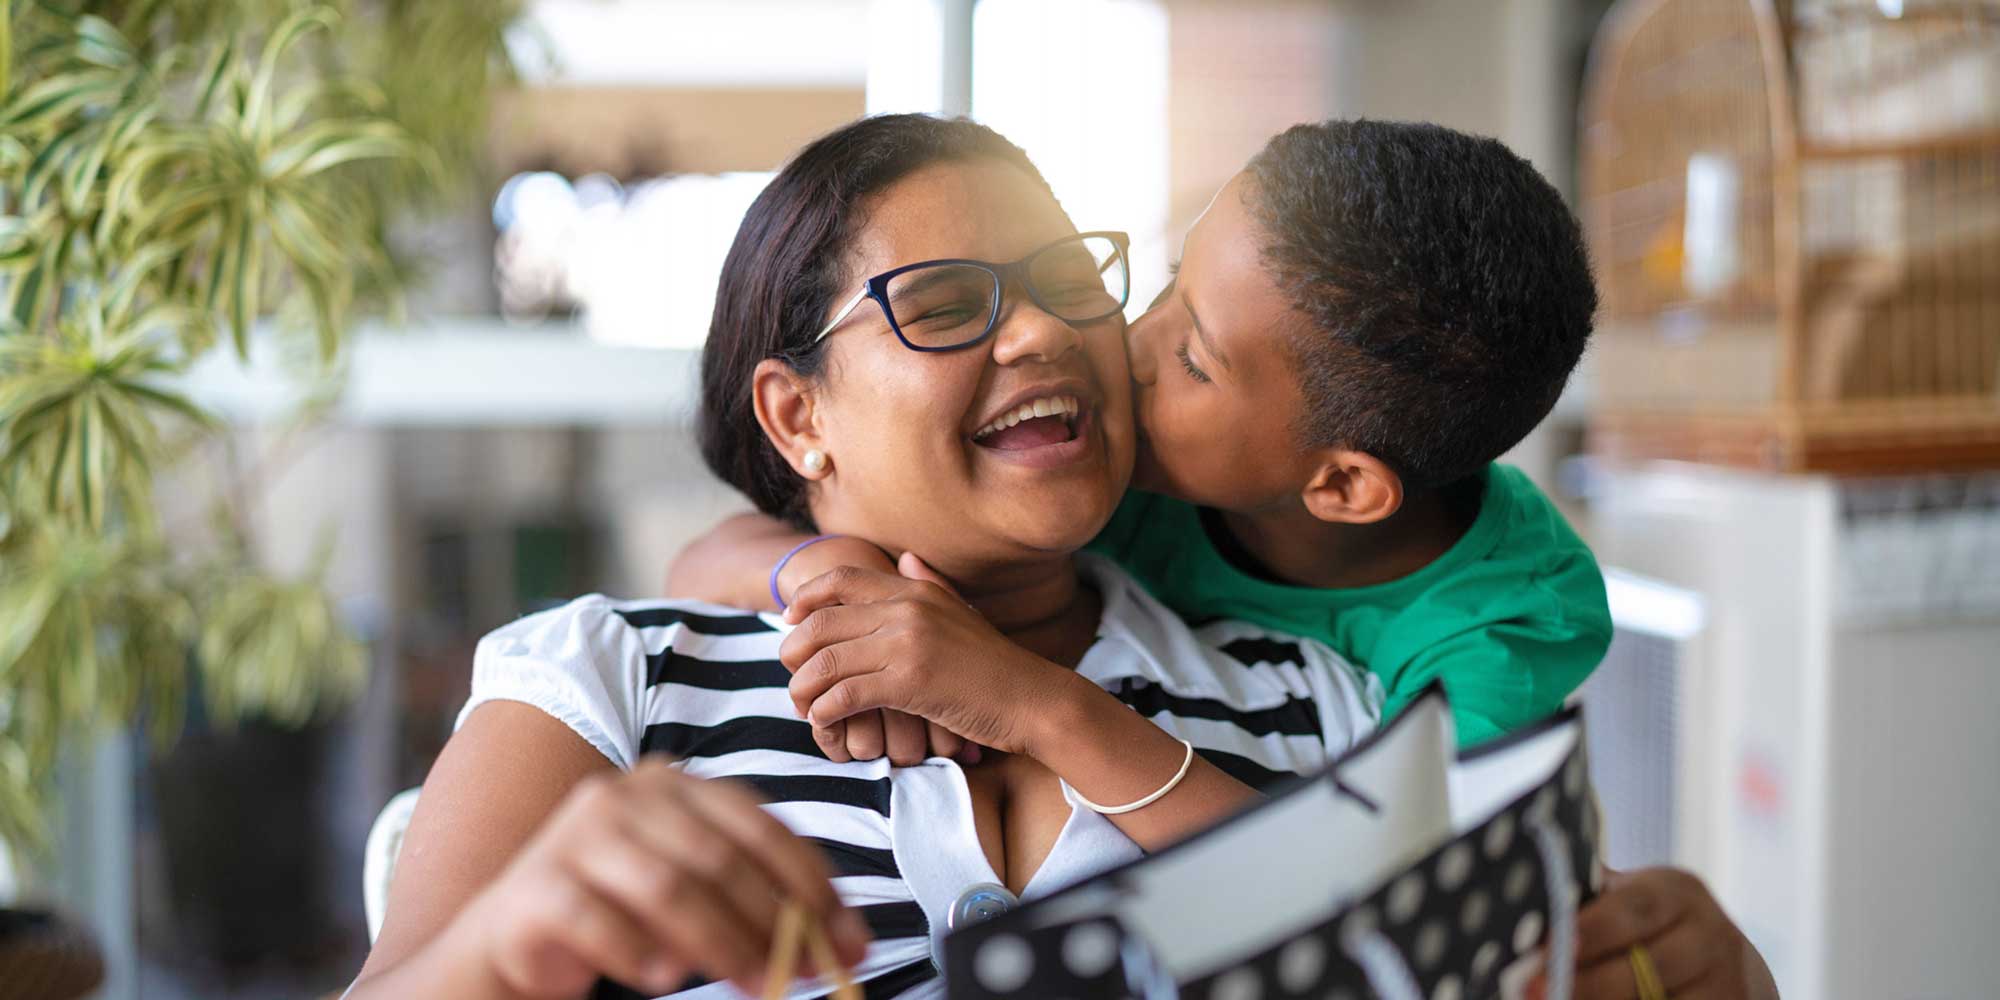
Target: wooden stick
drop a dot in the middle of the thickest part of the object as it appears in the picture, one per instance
(794, 923)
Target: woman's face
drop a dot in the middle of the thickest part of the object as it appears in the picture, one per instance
(912, 460)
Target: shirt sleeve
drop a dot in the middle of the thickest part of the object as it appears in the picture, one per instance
(1500, 677)
(1349, 699)
(580, 663)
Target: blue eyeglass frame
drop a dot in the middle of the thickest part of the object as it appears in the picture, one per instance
(877, 288)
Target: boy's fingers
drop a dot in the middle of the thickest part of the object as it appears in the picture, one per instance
(943, 742)
(827, 668)
(844, 585)
(825, 627)
(832, 741)
(865, 737)
(915, 568)
(854, 697)
(905, 737)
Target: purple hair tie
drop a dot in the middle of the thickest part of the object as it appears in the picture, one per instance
(787, 557)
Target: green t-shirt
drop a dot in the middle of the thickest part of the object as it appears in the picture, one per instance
(1511, 618)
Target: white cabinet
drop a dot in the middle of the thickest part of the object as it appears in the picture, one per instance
(1836, 762)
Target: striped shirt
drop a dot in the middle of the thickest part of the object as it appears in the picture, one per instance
(703, 683)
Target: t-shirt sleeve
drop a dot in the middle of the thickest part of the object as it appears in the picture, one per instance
(1501, 677)
(1349, 699)
(580, 663)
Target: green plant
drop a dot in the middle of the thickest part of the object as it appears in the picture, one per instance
(170, 170)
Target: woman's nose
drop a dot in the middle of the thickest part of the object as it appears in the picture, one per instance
(1028, 333)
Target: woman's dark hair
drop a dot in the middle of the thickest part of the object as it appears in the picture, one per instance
(1446, 287)
(785, 271)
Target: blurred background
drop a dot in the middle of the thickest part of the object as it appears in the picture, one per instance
(1780, 444)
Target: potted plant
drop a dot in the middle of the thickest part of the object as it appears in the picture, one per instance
(174, 176)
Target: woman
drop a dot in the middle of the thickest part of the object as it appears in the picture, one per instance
(911, 344)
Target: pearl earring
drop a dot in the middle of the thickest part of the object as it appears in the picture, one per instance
(815, 460)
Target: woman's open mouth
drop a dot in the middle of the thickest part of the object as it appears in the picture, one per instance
(1045, 431)
(1037, 423)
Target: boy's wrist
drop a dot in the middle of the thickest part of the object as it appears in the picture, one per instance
(1077, 710)
(826, 555)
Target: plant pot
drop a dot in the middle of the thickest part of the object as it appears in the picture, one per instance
(237, 813)
(46, 957)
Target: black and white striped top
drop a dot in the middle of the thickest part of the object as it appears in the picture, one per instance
(704, 684)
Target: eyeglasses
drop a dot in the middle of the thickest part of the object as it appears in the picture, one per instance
(949, 305)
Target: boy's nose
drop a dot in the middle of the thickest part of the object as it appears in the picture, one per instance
(1139, 349)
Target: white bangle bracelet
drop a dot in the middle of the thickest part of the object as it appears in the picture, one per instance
(1186, 762)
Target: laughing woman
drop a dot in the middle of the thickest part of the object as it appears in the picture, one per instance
(912, 344)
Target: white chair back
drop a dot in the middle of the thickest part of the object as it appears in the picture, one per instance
(378, 860)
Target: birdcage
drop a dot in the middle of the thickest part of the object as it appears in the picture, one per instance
(1794, 211)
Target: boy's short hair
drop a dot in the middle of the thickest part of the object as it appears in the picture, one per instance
(1447, 287)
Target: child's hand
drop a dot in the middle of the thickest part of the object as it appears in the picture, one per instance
(906, 739)
(1697, 950)
(824, 557)
(873, 641)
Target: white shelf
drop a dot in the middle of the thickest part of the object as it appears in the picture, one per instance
(474, 372)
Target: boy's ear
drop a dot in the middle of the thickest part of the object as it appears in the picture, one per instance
(1352, 487)
(784, 405)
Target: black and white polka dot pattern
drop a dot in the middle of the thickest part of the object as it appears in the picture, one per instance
(1447, 927)
(1470, 909)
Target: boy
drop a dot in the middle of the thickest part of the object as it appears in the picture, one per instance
(1361, 322)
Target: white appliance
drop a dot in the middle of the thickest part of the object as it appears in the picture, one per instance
(1829, 683)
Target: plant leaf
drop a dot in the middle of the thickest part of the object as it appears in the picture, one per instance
(6, 49)
(54, 98)
(214, 76)
(242, 277)
(28, 294)
(282, 38)
(100, 43)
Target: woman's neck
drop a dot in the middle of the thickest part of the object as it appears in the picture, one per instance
(1044, 606)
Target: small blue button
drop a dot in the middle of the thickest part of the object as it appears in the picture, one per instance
(979, 903)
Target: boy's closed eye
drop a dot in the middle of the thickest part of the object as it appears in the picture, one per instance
(1187, 364)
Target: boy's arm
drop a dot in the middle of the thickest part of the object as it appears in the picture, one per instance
(731, 565)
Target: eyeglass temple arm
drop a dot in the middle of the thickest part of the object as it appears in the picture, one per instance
(841, 316)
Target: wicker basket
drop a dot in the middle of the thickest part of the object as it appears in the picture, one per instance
(1794, 210)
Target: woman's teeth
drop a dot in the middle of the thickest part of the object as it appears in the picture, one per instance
(1065, 407)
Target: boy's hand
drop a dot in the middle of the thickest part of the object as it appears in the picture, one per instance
(823, 557)
(1695, 947)
(872, 641)
(905, 739)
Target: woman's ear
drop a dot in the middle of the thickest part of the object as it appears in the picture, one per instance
(784, 401)
(1352, 487)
